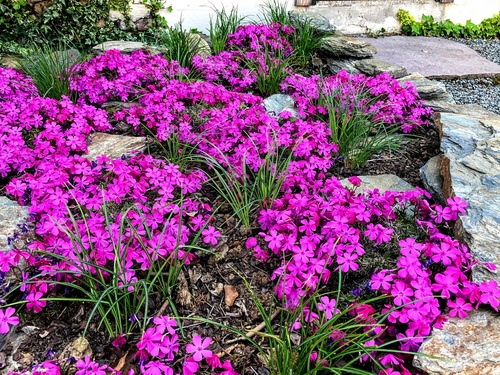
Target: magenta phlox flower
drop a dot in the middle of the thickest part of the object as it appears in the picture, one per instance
(459, 308)
(7, 318)
(401, 293)
(151, 341)
(457, 205)
(88, 367)
(165, 323)
(490, 293)
(210, 235)
(190, 366)
(328, 306)
(169, 346)
(156, 368)
(275, 240)
(391, 359)
(408, 341)
(50, 367)
(382, 281)
(119, 340)
(410, 247)
(347, 261)
(34, 302)
(198, 348)
(445, 283)
(228, 368)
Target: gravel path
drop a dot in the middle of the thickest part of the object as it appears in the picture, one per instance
(482, 91)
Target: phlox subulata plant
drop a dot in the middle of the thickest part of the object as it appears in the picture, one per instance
(119, 223)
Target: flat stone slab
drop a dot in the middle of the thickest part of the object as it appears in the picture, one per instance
(464, 346)
(114, 146)
(433, 57)
(11, 214)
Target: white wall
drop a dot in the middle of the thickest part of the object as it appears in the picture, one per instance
(350, 17)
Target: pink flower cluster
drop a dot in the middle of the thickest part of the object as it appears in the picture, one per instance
(249, 45)
(381, 95)
(157, 350)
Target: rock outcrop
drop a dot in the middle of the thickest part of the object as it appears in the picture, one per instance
(470, 168)
(428, 89)
(463, 347)
(382, 182)
(346, 46)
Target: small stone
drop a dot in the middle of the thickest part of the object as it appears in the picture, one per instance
(347, 46)
(463, 347)
(114, 146)
(277, 103)
(11, 215)
(374, 67)
(383, 183)
(230, 295)
(77, 349)
(428, 89)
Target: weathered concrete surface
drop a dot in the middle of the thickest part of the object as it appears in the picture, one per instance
(467, 347)
(11, 214)
(433, 57)
(471, 170)
(114, 146)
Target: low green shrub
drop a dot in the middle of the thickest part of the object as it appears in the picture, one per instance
(487, 29)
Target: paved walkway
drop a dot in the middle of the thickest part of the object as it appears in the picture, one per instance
(433, 57)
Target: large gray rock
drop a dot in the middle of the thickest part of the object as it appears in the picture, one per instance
(383, 183)
(124, 47)
(428, 89)
(431, 177)
(338, 64)
(347, 46)
(463, 347)
(11, 215)
(471, 170)
(373, 67)
(114, 146)
(277, 103)
(317, 21)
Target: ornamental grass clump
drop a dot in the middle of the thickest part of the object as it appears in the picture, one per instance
(51, 69)
(225, 23)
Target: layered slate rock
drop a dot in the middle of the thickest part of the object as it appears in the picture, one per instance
(373, 67)
(382, 182)
(463, 347)
(336, 65)
(11, 216)
(470, 168)
(432, 180)
(317, 21)
(114, 146)
(347, 46)
(428, 89)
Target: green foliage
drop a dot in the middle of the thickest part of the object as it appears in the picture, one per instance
(487, 29)
(358, 134)
(50, 69)
(305, 41)
(274, 11)
(224, 24)
(271, 72)
(244, 190)
(80, 24)
(179, 44)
